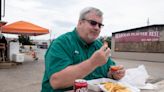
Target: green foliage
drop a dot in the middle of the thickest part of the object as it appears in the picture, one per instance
(108, 39)
(25, 40)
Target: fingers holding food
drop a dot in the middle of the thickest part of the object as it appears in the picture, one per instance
(105, 43)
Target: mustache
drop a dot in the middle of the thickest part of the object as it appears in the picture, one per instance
(95, 31)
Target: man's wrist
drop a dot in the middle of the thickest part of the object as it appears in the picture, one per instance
(111, 76)
(92, 62)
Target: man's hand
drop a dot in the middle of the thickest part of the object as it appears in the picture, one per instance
(101, 56)
(116, 72)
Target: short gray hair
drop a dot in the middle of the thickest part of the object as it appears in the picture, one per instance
(88, 10)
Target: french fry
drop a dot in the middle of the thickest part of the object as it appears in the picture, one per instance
(115, 87)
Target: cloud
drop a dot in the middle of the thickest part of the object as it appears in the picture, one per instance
(66, 24)
(61, 16)
(59, 3)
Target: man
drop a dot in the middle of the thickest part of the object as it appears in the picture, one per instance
(78, 55)
(3, 41)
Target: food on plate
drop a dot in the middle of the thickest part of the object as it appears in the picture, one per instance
(99, 83)
(115, 87)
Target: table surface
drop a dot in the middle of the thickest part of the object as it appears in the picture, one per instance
(159, 84)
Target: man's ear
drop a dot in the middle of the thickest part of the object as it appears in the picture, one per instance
(80, 22)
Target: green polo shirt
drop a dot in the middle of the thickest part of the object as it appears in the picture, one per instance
(70, 49)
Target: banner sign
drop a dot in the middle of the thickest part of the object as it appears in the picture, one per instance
(137, 36)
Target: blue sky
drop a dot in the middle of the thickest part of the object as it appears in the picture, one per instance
(61, 16)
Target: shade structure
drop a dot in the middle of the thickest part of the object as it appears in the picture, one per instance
(24, 28)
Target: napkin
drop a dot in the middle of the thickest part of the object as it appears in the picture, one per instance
(137, 77)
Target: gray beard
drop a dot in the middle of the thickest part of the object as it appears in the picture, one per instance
(91, 38)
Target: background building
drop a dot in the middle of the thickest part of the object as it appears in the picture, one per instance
(143, 43)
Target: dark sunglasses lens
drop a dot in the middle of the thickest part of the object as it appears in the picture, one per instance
(94, 23)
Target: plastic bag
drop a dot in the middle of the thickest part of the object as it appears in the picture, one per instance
(136, 76)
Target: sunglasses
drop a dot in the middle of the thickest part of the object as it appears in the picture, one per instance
(94, 23)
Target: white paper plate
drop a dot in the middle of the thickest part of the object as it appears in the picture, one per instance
(95, 85)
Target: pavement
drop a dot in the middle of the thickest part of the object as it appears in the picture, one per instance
(27, 77)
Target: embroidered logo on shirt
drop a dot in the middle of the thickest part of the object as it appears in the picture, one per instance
(76, 52)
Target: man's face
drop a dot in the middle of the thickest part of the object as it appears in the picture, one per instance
(90, 27)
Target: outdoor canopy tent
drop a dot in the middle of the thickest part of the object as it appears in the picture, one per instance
(21, 28)
(26, 28)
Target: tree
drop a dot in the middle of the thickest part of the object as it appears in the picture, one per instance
(107, 39)
(24, 39)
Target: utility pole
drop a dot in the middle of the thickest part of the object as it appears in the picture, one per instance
(148, 22)
(2, 15)
(2, 9)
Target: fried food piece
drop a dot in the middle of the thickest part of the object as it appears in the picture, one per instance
(105, 42)
(115, 87)
(115, 68)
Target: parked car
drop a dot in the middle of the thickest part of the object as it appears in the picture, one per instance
(43, 45)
